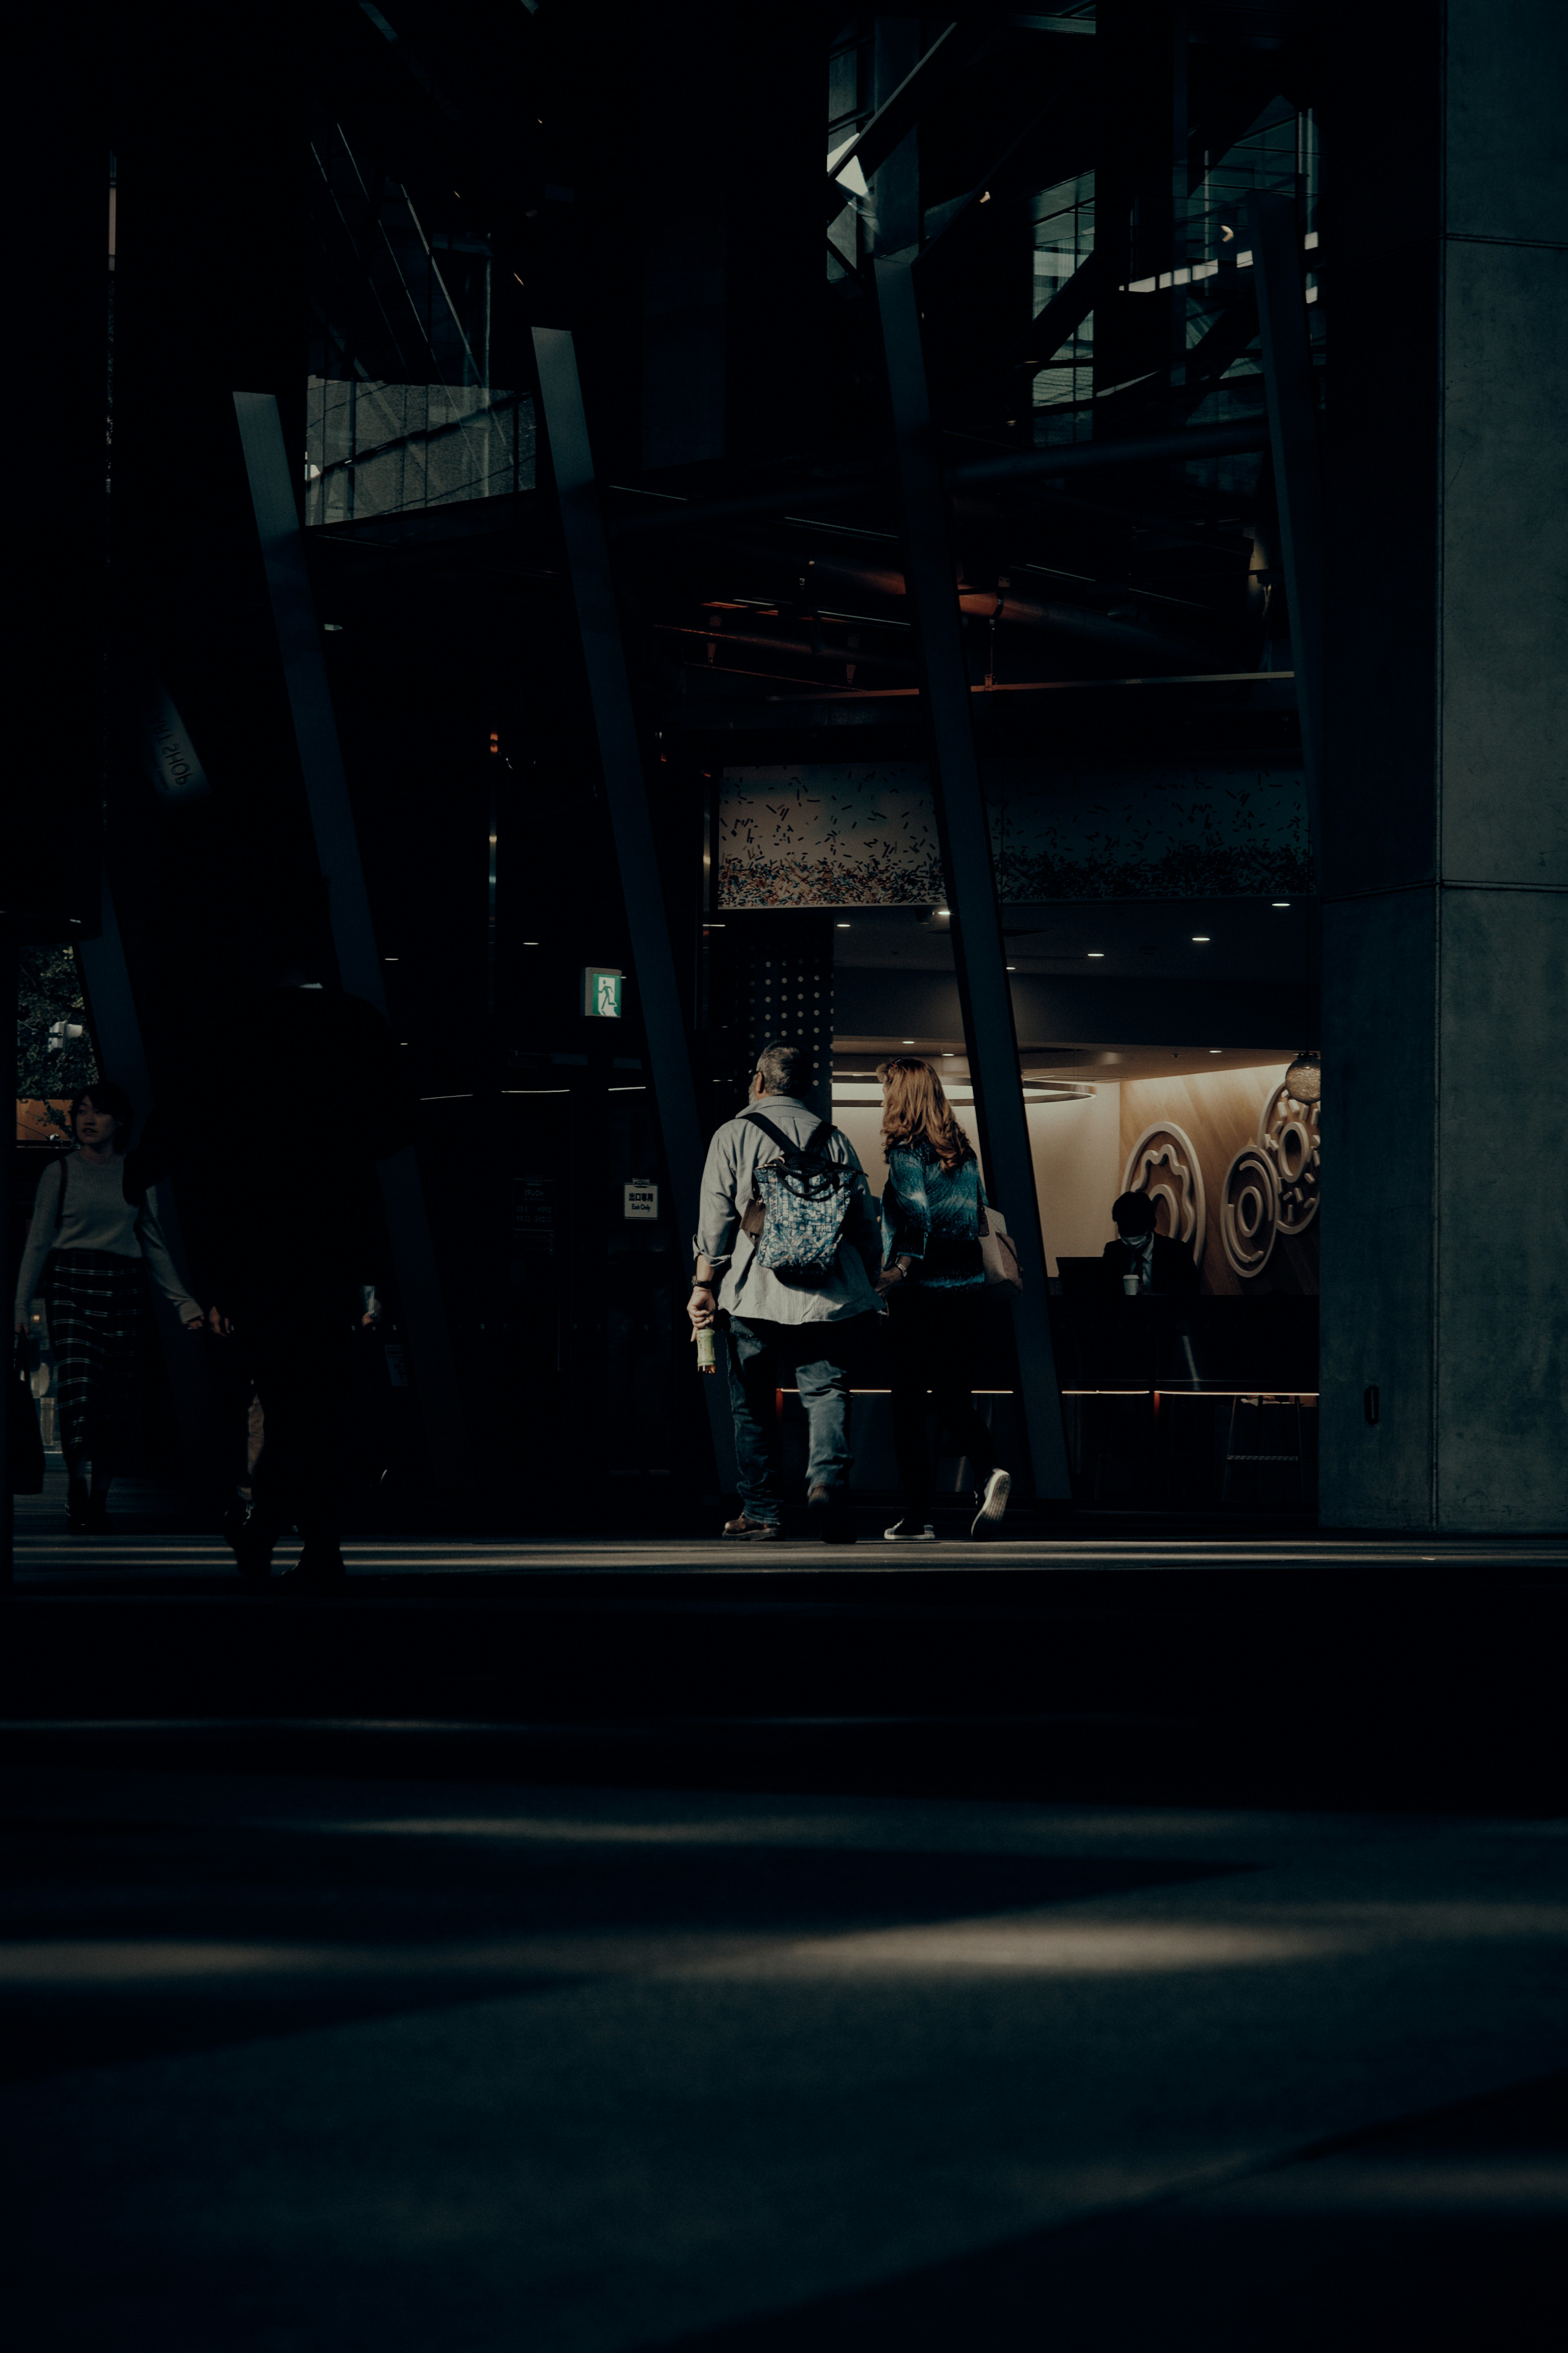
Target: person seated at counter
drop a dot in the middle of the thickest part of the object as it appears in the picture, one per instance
(1145, 1257)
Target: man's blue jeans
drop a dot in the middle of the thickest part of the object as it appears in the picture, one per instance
(760, 1358)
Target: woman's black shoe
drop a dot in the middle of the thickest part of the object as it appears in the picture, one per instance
(250, 1539)
(318, 1567)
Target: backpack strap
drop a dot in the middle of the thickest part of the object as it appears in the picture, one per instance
(818, 1142)
(777, 1133)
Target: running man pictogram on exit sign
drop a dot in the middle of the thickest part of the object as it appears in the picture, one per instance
(601, 992)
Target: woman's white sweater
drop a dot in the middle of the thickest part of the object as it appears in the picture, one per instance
(97, 1217)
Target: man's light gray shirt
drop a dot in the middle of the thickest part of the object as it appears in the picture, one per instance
(749, 1289)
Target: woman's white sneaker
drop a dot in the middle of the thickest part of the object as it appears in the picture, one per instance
(910, 1532)
(993, 1503)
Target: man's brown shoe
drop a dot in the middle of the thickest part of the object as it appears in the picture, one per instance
(758, 1531)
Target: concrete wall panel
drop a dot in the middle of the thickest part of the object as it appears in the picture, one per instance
(1378, 1236)
(1502, 1213)
(1505, 566)
(1506, 77)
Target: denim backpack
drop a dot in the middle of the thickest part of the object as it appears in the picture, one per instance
(798, 1206)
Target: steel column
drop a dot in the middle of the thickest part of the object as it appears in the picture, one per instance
(1298, 481)
(964, 829)
(272, 481)
(122, 1054)
(625, 791)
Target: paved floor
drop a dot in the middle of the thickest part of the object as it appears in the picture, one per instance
(151, 1538)
(55, 1561)
(114, 1562)
(345, 2062)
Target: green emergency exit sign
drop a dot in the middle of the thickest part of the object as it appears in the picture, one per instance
(601, 992)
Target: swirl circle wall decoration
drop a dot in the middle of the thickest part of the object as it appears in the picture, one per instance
(1288, 1133)
(1249, 1211)
(1164, 1165)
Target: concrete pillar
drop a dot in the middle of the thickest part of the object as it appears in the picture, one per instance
(1443, 860)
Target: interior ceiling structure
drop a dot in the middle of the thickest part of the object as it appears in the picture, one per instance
(1110, 499)
(757, 570)
(1142, 939)
(1111, 1065)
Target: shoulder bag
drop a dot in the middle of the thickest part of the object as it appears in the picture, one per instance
(998, 1252)
(24, 1446)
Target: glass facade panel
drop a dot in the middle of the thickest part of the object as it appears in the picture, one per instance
(386, 448)
(1064, 240)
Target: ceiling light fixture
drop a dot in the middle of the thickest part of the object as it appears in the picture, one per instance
(1097, 954)
(1200, 939)
(841, 927)
(1281, 902)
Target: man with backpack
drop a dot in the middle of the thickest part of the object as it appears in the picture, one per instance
(787, 1253)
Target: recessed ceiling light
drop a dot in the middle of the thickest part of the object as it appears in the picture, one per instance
(1012, 967)
(531, 944)
(841, 927)
(1281, 902)
(1200, 939)
(1216, 1049)
(1098, 953)
(906, 1041)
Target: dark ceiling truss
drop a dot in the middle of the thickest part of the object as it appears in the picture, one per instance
(452, 428)
(358, 280)
(923, 87)
(1063, 315)
(1226, 339)
(1137, 540)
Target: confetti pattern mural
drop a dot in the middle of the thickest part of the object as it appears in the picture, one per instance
(859, 836)
(863, 835)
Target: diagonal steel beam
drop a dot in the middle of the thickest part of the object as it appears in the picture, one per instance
(282, 541)
(871, 146)
(989, 1035)
(1064, 314)
(1292, 396)
(117, 1029)
(625, 791)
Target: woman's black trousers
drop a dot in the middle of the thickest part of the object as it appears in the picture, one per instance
(932, 1338)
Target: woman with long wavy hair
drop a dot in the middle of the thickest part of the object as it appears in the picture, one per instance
(935, 1284)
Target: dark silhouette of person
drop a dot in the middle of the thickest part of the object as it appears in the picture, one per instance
(280, 1158)
(1150, 1259)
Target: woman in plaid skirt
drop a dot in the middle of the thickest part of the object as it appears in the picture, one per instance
(86, 1258)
